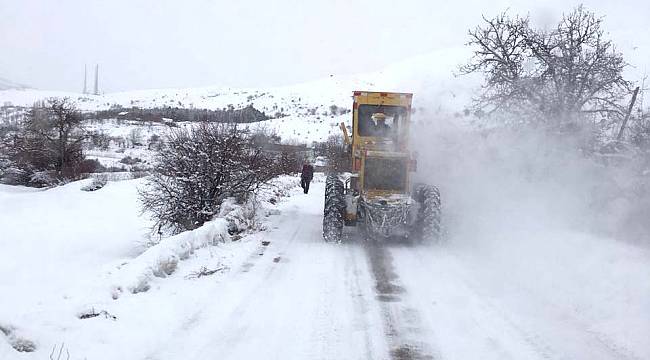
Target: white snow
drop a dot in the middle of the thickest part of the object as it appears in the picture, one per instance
(56, 245)
(490, 293)
(68, 252)
(536, 264)
(162, 259)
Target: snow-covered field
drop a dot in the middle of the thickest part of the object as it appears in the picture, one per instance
(68, 252)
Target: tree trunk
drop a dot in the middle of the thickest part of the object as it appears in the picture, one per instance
(627, 115)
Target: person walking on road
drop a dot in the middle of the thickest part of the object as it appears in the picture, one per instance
(306, 176)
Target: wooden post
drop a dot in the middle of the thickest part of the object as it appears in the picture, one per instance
(627, 115)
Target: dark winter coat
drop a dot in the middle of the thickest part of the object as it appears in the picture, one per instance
(307, 172)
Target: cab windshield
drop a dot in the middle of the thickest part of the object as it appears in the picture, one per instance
(394, 115)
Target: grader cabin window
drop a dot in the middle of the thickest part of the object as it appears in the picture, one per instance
(370, 120)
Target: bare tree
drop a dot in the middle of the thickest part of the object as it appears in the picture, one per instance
(290, 162)
(336, 153)
(551, 76)
(57, 124)
(135, 137)
(197, 169)
(48, 145)
(640, 131)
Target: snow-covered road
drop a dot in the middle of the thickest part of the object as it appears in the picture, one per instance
(297, 298)
(301, 298)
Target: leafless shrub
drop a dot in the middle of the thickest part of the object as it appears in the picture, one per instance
(88, 166)
(290, 162)
(128, 160)
(640, 131)
(335, 151)
(197, 169)
(100, 140)
(136, 174)
(17, 342)
(92, 313)
(97, 183)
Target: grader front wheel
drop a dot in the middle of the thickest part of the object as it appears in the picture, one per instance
(428, 224)
(334, 211)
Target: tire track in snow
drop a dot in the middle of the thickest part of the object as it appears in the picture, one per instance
(402, 326)
(198, 317)
(360, 301)
(236, 333)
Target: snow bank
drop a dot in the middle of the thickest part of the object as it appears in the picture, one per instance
(67, 251)
(162, 259)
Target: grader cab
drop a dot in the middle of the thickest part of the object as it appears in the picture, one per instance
(378, 194)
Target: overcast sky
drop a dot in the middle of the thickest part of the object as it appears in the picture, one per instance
(157, 44)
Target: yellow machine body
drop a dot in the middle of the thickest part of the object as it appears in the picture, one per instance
(372, 148)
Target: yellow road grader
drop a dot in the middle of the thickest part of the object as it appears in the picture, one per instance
(378, 194)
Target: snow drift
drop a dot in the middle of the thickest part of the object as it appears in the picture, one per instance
(162, 259)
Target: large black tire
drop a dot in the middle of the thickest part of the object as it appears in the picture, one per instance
(334, 211)
(428, 227)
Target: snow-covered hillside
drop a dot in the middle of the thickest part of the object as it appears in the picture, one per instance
(304, 112)
(8, 84)
(306, 108)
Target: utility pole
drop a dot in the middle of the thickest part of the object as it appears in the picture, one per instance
(85, 82)
(627, 115)
(96, 91)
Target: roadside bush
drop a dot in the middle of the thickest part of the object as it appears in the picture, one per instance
(88, 166)
(96, 184)
(336, 153)
(130, 161)
(290, 162)
(197, 169)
